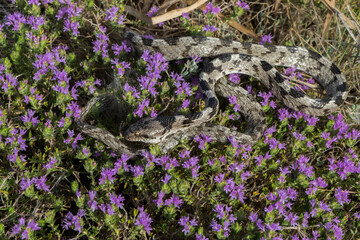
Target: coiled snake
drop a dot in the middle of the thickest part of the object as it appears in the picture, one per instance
(230, 57)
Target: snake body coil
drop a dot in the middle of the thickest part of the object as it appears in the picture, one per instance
(236, 57)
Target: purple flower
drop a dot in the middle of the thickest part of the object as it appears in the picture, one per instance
(232, 99)
(211, 9)
(101, 43)
(235, 77)
(35, 22)
(15, 20)
(118, 49)
(140, 109)
(185, 15)
(224, 215)
(107, 174)
(25, 183)
(40, 183)
(159, 202)
(219, 178)
(243, 5)
(342, 196)
(120, 66)
(325, 135)
(144, 220)
(153, 11)
(185, 103)
(85, 151)
(292, 218)
(175, 200)
(215, 226)
(137, 170)
(209, 28)
(266, 39)
(92, 203)
(117, 200)
(120, 20)
(253, 217)
(324, 206)
(200, 237)
(34, 2)
(111, 13)
(274, 226)
(29, 117)
(166, 178)
(187, 223)
(30, 226)
(71, 26)
(260, 225)
(299, 136)
(71, 219)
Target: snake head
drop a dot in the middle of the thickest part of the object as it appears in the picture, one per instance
(147, 130)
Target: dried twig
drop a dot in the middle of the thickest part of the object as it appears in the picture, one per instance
(166, 4)
(242, 28)
(337, 12)
(328, 19)
(167, 16)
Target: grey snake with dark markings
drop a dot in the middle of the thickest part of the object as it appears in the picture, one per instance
(229, 57)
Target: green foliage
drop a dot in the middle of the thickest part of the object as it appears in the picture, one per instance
(59, 183)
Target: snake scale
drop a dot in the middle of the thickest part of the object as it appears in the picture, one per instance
(229, 57)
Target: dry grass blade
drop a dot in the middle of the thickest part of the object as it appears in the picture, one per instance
(348, 28)
(332, 8)
(277, 4)
(146, 6)
(166, 5)
(357, 25)
(328, 19)
(241, 28)
(165, 17)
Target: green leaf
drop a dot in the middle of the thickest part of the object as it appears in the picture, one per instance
(74, 186)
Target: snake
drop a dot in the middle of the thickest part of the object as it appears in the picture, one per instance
(229, 56)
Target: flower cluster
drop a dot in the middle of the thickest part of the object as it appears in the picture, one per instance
(226, 218)
(101, 43)
(69, 12)
(74, 220)
(113, 15)
(144, 220)
(25, 229)
(187, 224)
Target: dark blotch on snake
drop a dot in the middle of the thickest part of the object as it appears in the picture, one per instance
(129, 35)
(292, 49)
(339, 100)
(271, 48)
(172, 41)
(166, 121)
(245, 57)
(191, 117)
(204, 85)
(266, 66)
(147, 41)
(278, 77)
(334, 69)
(296, 94)
(213, 103)
(314, 55)
(225, 58)
(209, 68)
(246, 45)
(199, 39)
(342, 87)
